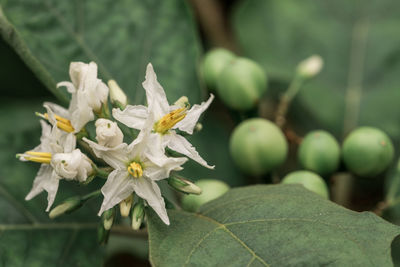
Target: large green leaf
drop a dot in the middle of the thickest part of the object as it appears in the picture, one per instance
(271, 225)
(120, 36)
(27, 236)
(359, 42)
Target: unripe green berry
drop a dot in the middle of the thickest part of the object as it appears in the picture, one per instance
(211, 189)
(367, 151)
(241, 84)
(309, 180)
(213, 63)
(258, 146)
(319, 152)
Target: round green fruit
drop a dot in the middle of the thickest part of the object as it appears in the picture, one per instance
(211, 189)
(309, 180)
(319, 152)
(258, 146)
(241, 84)
(213, 63)
(367, 151)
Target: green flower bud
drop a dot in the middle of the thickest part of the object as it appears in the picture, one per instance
(319, 152)
(214, 62)
(117, 97)
(67, 206)
(108, 218)
(184, 185)
(125, 206)
(102, 234)
(309, 180)
(137, 215)
(241, 84)
(258, 146)
(367, 151)
(211, 189)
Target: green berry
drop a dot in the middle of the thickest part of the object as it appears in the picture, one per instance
(211, 189)
(309, 180)
(258, 146)
(241, 84)
(367, 151)
(319, 152)
(214, 62)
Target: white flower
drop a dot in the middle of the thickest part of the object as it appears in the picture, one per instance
(310, 66)
(137, 167)
(88, 93)
(52, 142)
(166, 118)
(108, 133)
(72, 166)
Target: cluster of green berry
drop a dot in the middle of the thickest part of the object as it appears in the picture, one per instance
(258, 146)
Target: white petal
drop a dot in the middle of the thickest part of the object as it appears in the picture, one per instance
(108, 133)
(179, 144)
(142, 142)
(149, 191)
(156, 173)
(80, 112)
(156, 98)
(47, 180)
(70, 86)
(193, 115)
(57, 109)
(131, 116)
(117, 188)
(116, 157)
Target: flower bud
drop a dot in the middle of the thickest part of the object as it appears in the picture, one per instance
(67, 206)
(258, 146)
(137, 215)
(108, 133)
(117, 96)
(309, 180)
(102, 234)
(108, 218)
(310, 67)
(182, 102)
(72, 166)
(241, 84)
(198, 127)
(213, 64)
(211, 189)
(183, 185)
(125, 206)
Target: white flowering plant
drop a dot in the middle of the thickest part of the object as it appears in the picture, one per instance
(199, 133)
(132, 163)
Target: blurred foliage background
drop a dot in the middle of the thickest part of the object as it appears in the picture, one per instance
(358, 40)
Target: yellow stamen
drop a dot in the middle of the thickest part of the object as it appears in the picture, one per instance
(169, 120)
(62, 123)
(39, 154)
(135, 169)
(41, 157)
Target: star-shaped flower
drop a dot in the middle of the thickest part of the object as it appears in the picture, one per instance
(59, 160)
(166, 118)
(137, 167)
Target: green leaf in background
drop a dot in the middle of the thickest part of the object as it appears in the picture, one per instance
(122, 37)
(359, 42)
(271, 225)
(27, 236)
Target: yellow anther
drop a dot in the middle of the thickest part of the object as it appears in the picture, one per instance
(169, 120)
(40, 157)
(39, 154)
(62, 123)
(135, 169)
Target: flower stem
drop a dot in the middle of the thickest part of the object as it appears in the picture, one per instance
(286, 100)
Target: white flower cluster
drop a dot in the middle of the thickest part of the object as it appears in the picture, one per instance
(136, 166)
